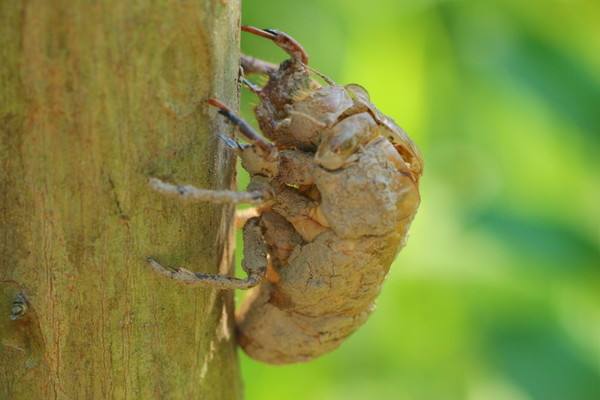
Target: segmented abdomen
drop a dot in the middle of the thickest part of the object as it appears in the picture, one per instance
(325, 292)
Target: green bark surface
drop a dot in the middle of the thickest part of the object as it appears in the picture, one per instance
(95, 97)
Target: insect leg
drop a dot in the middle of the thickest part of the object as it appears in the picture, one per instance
(189, 192)
(252, 65)
(254, 264)
(301, 212)
(254, 88)
(281, 39)
(243, 126)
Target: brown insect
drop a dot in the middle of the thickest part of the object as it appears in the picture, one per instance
(336, 189)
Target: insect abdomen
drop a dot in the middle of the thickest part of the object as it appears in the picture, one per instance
(326, 291)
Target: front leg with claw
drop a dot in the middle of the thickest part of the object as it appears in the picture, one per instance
(254, 264)
(261, 155)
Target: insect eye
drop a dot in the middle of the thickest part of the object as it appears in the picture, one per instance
(358, 91)
(345, 146)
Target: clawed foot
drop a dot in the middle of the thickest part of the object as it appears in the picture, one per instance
(180, 274)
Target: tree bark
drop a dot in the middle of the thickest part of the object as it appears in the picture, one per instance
(96, 97)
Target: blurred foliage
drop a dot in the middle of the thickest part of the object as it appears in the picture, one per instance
(497, 294)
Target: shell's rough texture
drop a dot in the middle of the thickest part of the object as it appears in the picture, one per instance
(345, 190)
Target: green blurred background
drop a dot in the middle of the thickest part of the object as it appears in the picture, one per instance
(497, 294)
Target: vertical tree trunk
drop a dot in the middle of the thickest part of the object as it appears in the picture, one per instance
(95, 97)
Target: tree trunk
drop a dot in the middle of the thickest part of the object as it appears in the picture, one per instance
(95, 97)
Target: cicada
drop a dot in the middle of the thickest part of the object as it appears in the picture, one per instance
(335, 184)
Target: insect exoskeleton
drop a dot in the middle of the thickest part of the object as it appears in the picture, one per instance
(336, 191)
(328, 284)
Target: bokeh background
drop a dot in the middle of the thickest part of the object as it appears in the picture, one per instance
(497, 294)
